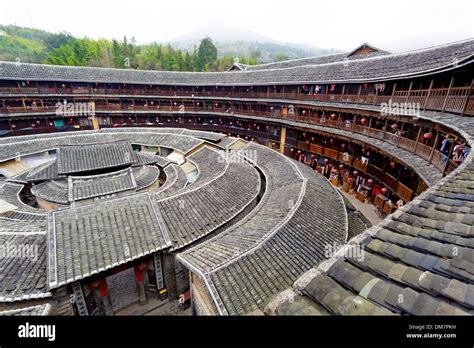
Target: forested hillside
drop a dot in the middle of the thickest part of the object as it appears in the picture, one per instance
(39, 46)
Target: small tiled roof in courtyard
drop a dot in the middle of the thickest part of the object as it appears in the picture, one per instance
(88, 239)
(23, 273)
(85, 158)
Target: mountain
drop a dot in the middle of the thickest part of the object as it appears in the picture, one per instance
(39, 46)
(245, 43)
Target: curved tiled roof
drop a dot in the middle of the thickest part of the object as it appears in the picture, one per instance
(209, 164)
(422, 254)
(235, 231)
(10, 192)
(145, 176)
(377, 68)
(84, 240)
(25, 145)
(281, 238)
(329, 58)
(195, 213)
(55, 191)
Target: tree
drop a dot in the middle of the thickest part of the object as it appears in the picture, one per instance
(256, 54)
(207, 55)
(281, 56)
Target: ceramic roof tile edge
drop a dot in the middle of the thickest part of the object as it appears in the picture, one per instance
(33, 296)
(45, 310)
(20, 233)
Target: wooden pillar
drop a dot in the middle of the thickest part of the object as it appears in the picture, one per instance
(95, 122)
(409, 90)
(466, 101)
(434, 147)
(141, 278)
(417, 138)
(428, 95)
(282, 140)
(385, 129)
(393, 91)
(447, 94)
(169, 275)
(401, 131)
(449, 156)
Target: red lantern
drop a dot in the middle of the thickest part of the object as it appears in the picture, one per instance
(384, 190)
(394, 126)
(101, 285)
(333, 115)
(138, 276)
(392, 163)
(428, 135)
(363, 120)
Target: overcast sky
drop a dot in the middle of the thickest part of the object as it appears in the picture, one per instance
(396, 25)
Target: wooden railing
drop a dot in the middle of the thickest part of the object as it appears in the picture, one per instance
(403, 192)
(424, 151)
(458, 100)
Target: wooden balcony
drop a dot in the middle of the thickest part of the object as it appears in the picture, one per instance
(455, 99)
